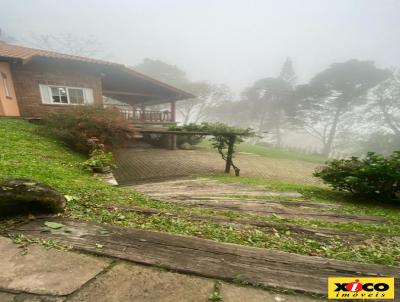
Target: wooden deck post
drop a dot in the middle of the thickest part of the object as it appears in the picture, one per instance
(173, 111)
(173, 138)
(142, 112)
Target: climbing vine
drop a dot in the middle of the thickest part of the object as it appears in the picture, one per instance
(224, 139)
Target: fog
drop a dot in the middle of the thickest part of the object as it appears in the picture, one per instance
(225, 41)
(229, 42)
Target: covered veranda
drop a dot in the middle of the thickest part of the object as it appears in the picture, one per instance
(140, 92)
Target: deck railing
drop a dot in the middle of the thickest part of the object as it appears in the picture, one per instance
(138, 115)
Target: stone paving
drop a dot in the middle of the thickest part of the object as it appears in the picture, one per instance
(47, 272)
(48, 275)
(138, 164)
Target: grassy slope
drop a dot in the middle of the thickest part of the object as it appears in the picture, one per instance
(279, 154)
(270, 152)
(23, 153)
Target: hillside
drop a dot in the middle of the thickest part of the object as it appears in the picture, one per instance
(25, 153)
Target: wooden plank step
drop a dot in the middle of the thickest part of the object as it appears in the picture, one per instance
(318, 233)
(295, 203)
(284, 212)
(204, 257)
(252, 201)
(222, 193)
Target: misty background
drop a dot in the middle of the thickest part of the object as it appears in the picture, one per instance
(260, 64)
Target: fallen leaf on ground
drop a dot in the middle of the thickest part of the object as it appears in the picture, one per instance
(53, 225)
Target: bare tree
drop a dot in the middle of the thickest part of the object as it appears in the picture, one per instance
(207, 95)
(87, 46)
(6, 38)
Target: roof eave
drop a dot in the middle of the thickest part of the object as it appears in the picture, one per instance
(181, 93)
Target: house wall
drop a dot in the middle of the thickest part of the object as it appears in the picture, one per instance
(8, 104)
(27, 78)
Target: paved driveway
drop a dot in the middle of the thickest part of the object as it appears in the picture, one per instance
(138, 164)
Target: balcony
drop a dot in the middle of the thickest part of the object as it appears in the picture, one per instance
(147, 116)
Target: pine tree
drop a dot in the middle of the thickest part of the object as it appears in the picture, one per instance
(287, 72)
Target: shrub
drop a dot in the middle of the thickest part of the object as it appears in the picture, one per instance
(99, 160)
(75, 126)
(374, 175)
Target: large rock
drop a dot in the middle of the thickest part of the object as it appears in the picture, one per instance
(26, 195)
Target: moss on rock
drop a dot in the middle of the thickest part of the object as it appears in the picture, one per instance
(20, 195)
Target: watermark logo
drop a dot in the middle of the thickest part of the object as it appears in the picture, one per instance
(360, 288)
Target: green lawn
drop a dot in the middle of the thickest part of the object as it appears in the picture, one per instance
(24, 153)
(270, 152)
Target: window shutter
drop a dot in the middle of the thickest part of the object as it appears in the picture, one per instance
(45, 93)
(88, 96)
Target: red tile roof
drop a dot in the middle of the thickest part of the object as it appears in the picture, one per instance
(26, 53)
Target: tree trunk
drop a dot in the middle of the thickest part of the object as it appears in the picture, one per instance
(229, 154)
(261, 126)
(332, 133)
(278, 131)
(388, 120)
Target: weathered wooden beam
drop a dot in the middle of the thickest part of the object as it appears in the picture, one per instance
(204, 257)
(318, 233)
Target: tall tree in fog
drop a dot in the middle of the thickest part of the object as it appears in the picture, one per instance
(270, 102)
(383, 111)
(207, 94)
(162, 71)
(386, 99)
(287, 73)
(235, 113)
(331, 96)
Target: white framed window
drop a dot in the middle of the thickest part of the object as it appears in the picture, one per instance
(64, 95)
(5, 85)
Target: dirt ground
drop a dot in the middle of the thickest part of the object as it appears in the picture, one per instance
(150, 163)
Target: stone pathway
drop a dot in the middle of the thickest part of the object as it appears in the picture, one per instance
(48, 275)
(202, 257)
(37, 271)
(136, 164)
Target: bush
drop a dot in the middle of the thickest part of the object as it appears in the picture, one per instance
(75, 126)
(99, 160)
(374, 175)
